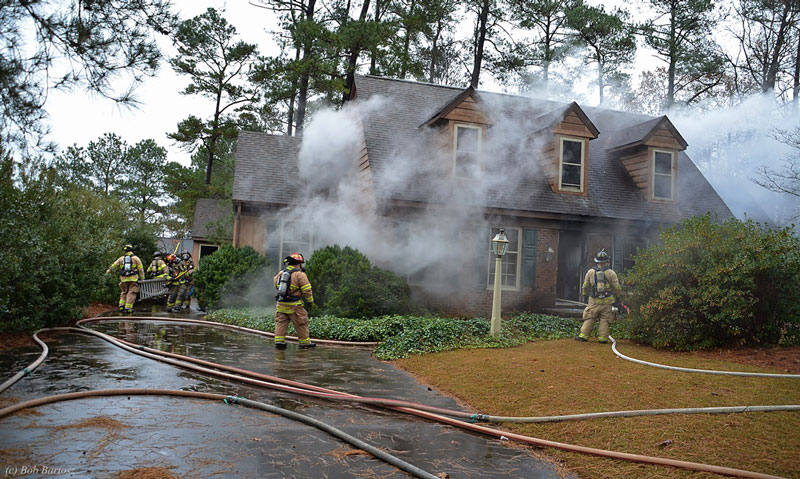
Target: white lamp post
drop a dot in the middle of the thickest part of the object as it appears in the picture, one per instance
(499, 248)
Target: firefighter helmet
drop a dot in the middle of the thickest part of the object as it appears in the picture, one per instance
(128, 247)
(157, 254)
(294, 258)
(601, 257)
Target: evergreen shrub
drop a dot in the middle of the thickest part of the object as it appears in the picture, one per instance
(346, 284)
(226, 278)
(708, 284)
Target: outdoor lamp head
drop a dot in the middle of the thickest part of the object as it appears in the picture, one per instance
(500, 243)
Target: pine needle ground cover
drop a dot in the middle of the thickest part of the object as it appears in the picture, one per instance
(566, 377)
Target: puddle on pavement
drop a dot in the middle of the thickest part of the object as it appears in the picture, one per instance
(196, 438)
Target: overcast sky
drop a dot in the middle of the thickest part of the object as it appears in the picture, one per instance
(78, 118)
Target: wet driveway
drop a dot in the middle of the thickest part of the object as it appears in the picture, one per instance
(187, 438)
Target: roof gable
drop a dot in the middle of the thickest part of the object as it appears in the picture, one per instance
(643, 134)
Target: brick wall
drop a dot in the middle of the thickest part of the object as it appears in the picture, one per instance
(477, 301)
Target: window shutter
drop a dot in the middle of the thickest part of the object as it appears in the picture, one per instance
(618, 255)
(482, 261)
(273, 244)
(530, 240)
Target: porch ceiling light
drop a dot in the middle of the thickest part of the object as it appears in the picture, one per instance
(500, 243)
(548, 254)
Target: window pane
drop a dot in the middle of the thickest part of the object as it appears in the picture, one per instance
(571, 152)
(663, 163)
(571, 175)
(466, 165)
(509, 272)
(467, 139)
(662, 186)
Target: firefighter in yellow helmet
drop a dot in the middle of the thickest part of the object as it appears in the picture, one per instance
(187, 282)
(602, 287)
(174, 281)
(130, 270)
(157, 268)
(293, 289)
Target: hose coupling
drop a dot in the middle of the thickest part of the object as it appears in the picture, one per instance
(479, 418)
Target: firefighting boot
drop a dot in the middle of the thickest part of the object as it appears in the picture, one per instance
(602, 340)
(581, 337)
(280, 345)
(306, 344)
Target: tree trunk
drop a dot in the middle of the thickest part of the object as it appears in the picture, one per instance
(483, 19)
(292, 98)
(600, 84)
(673, 60)
(373, 63)
(772, 72)
(302, 95)
(212, 143)
(434, 52)
(796, 84)
(352, 62)
(407, 42)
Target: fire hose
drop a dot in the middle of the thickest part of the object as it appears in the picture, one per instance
(423, 411)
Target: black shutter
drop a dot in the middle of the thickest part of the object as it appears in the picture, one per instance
(530, 244)
(482, 257)
(618, 255)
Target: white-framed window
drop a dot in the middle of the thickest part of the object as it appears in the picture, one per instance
(511, 264)
(571, 164)
(663, 174)
(467, 151)
(295, 238)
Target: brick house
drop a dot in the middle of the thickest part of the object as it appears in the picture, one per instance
(434, 172)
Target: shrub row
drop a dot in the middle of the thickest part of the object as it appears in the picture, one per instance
(401, 336)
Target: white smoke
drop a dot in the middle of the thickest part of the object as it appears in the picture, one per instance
(729, 145)
(429, 239)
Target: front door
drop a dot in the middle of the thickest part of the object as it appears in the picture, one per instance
(571, 254)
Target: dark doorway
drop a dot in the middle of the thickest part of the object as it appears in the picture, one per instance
(571, 254)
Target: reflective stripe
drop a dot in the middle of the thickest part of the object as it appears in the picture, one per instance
(306, 287)
(304, 341)
(299, 302)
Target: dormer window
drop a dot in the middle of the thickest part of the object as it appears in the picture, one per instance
(571, 164)
(663, 174)
(466, 151)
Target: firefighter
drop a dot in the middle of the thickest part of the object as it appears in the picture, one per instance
(158, 268)
(602, 287)
(130, 270)
(293, 289)
(175, 275)
(187, 282)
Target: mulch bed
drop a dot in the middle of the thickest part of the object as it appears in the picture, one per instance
(785, 359)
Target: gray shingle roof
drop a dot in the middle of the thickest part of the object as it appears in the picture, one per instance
(207, 211)
(266, 165)
(266, 168)
(612, 192)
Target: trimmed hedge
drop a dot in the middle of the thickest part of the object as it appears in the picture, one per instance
(227, 276)
(347, 285)
(709, 285)
(401, 336)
